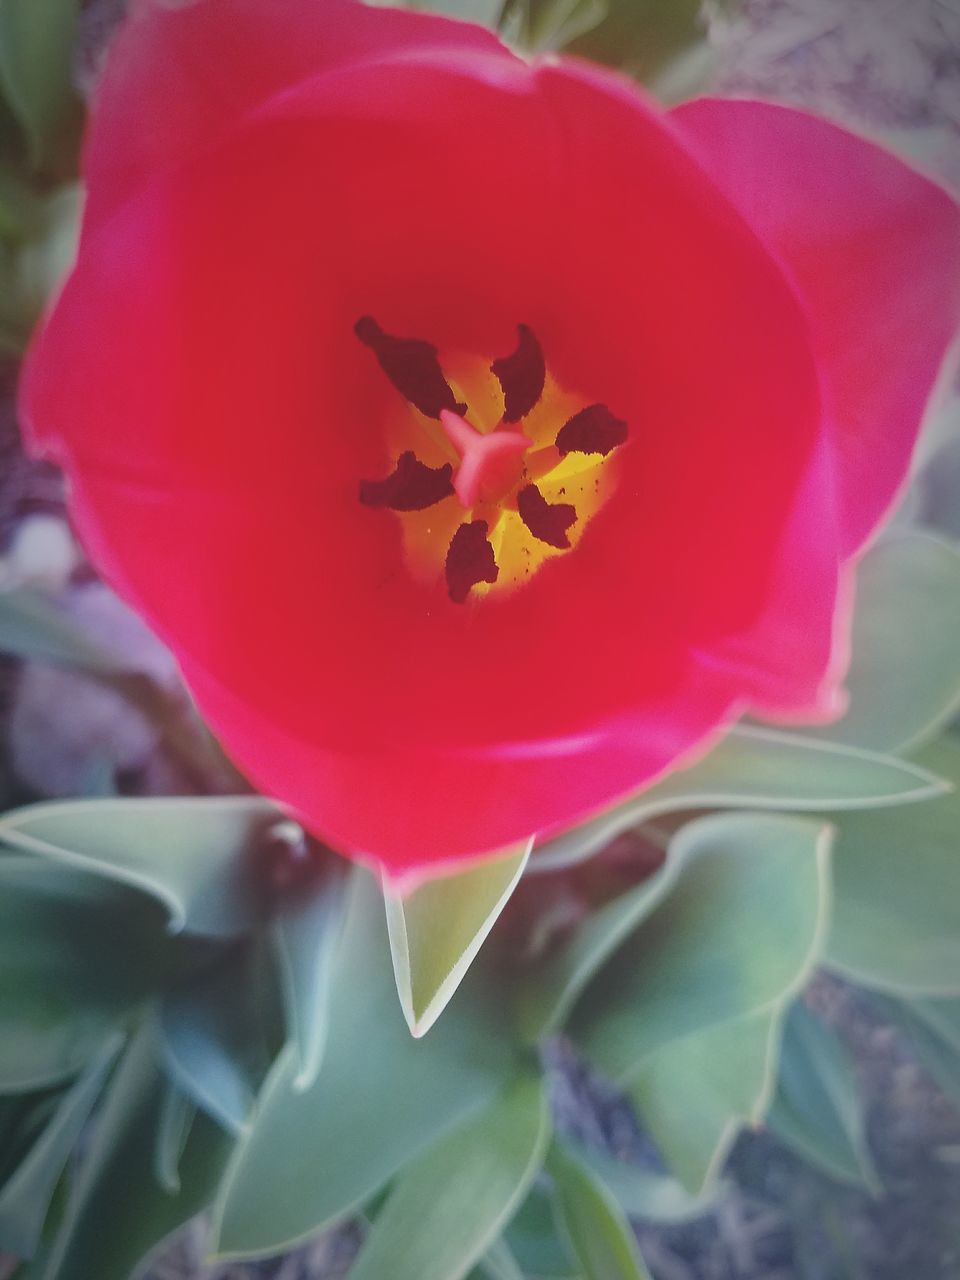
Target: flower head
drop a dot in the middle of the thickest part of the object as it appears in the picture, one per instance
(481, 439)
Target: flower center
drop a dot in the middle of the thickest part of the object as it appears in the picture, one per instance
(497, 469)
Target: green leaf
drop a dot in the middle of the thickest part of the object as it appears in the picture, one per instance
(543, 25)
(738, 933)
(175, 1120)
(486, 12)
(33, 626)
(599, 1233)
(550, 988)
(535, 1241)
(696, 1093)
(36, 59)
(895, 924)
(213, 1034)
(196, 855)
(758, 769)
(498, 1263)
(314, 1155)
(933, 1029)
(904, 679)
(450, 1205)
(644, 37)
(77, 955)
(46, 258)
(305, 930)
(817, 1110)
(25, 1197)
(644, 1193)
(437, 929)
(118, 1212)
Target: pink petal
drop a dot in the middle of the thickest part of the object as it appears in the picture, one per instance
(874, 251)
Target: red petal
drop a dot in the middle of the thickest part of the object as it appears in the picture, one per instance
(416, 807)
(201, 377)
(179, 79)
(874, 250)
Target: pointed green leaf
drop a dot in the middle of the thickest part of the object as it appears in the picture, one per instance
(25, 1197)
(36, 63)
(817, 1110)
(177, 1114)
(97, 1238)
(904, 678)
(77, 954)
(450, 1205)
(213, 1033)
(437, 929)
(598, 1230)
(305, 930)
(758, 769)
(645, 1193)
(548, 991)
(738, 933)
(314, 1155)
(895, 924)
(696, 1093)
(196, 855)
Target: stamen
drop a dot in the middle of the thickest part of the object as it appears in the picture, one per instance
(548, 521)
(413, 486)
(521, 375)
(592, 430)
(412, 366)
(469, 560)
(492, 461)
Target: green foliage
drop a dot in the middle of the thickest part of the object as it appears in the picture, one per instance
(78, 956)
(198, 857)
(120, 1169)
(305, 931)
(817, 1110)
(451, 1203)
(598, 1231)
(731, 923)
(313, 1155)
(25, 1198)
(895, 924)
(696, 1093)
(215, 1035)
(758, 769)
(933, 1030)
(36, 57)
(646, 1193)
(437, 929)
(904, 680)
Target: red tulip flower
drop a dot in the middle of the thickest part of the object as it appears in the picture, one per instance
(482, 439)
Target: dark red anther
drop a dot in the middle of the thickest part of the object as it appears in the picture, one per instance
(592, 430)
(469, 560)
(548, 521)
(521, 376)
(412, 486)
(412, 366)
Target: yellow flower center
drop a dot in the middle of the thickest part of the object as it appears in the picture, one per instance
(497, 468)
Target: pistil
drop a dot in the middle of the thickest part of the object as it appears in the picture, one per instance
(491, 462)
